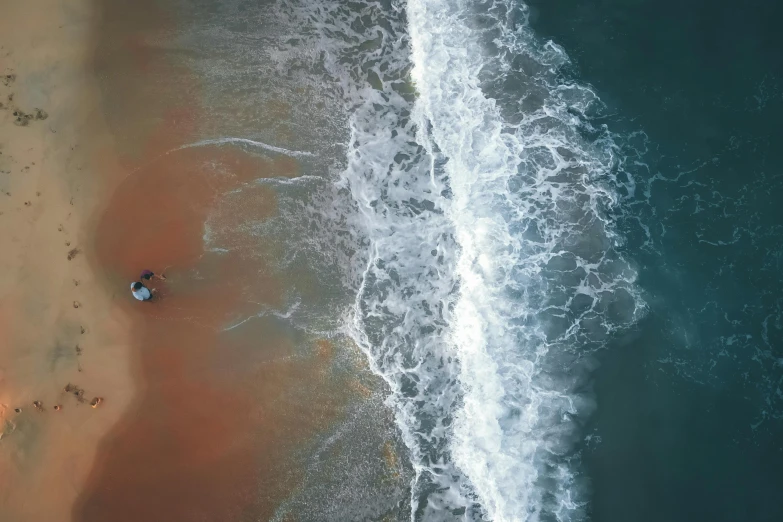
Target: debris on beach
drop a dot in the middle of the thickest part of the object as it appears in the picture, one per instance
(76, 304)
(75, 390)
(72, 253)
(18, 410)
(38, 405)
(24, 118)
(57, 407)
(96, 401)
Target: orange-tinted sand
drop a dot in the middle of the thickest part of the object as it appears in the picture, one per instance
(212, 432)
(207, 440)
(199, 422)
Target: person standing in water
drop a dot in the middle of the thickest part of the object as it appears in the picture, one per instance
(141, 292)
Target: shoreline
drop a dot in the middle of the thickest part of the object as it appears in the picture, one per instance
(61, 324)
(225, 417)
(211, 408)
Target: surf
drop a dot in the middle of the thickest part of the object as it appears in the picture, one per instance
(487, 270)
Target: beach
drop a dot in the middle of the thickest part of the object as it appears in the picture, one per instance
(210, 404)
(425, 260)
(64, 340)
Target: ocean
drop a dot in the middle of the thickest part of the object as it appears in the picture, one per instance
(552, 230)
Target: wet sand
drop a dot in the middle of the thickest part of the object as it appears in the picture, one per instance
(59, 323)
(223, 411)
(209, 433)
(211, 406)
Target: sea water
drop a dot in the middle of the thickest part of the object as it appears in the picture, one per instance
(489, 272)
(550, 229)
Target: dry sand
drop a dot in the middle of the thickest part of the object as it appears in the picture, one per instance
(58, 323)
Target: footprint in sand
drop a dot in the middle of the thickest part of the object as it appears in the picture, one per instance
(23, 119)
(75, 390)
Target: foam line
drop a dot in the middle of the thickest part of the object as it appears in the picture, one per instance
(281, 315)
(245, 141)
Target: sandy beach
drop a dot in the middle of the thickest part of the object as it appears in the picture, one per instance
(61, 326)
(424, 260)
(208, 403)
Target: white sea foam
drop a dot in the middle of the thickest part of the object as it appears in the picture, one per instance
(487, 268)
(532, 243)
(266, 312)
(248, 142)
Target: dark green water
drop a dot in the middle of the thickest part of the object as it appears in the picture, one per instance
(689, 424)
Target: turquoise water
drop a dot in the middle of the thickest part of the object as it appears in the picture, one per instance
(688, 423)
